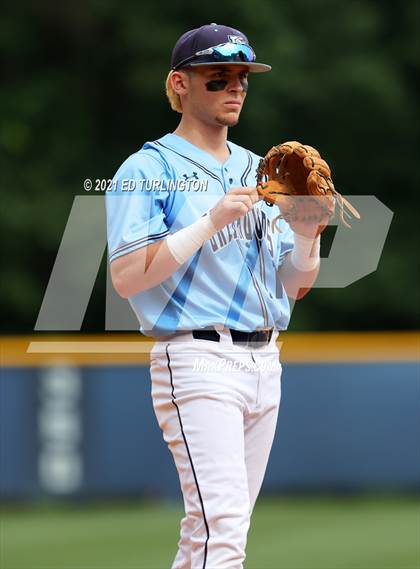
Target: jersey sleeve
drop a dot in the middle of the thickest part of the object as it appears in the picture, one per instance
(286, 242)
(135, 207)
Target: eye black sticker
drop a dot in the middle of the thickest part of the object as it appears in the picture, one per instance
(220, 84)
(216, 85)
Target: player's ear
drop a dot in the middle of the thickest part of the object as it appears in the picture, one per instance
(179, 82)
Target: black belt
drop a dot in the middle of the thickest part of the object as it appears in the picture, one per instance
(238, 337)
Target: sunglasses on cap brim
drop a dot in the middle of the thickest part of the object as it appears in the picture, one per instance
(225, 53)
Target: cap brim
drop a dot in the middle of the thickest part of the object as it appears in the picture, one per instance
(252, 66)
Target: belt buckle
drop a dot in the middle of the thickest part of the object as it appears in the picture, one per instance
(257, 339)
(262, 337)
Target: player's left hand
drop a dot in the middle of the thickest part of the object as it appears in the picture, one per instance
(309, 215)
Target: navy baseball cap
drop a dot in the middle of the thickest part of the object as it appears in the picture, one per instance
(215, 45)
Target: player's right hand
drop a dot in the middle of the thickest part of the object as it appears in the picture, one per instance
(236, 203)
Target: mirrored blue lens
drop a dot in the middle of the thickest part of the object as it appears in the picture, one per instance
(224, 52)
(233, 52)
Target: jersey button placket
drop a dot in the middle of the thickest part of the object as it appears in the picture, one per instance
(226, 179)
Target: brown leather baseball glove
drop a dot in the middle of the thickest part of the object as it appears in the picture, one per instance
(294, 177)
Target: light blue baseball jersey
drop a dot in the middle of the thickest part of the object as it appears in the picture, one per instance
(231, 280)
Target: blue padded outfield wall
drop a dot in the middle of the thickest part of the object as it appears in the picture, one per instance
(76, 431)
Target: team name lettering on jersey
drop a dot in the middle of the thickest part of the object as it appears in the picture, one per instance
(255, 223)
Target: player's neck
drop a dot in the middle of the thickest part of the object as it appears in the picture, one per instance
(211, 139)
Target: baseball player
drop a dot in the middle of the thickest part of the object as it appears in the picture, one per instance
(192, 246)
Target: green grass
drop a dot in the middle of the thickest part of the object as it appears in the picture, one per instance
(295, 533)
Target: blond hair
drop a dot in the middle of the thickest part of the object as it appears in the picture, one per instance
(174, 98)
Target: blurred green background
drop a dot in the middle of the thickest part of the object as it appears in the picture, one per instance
(83, 87)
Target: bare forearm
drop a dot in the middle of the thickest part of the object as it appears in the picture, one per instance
(143, 269)
(296, 283)
(300, 267)
(158, 261)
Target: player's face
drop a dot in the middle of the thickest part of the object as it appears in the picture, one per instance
(217, 93)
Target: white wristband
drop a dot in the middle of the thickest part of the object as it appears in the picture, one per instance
(188, 240)
(305, 253)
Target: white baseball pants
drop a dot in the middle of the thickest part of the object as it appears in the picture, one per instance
(217, 405)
